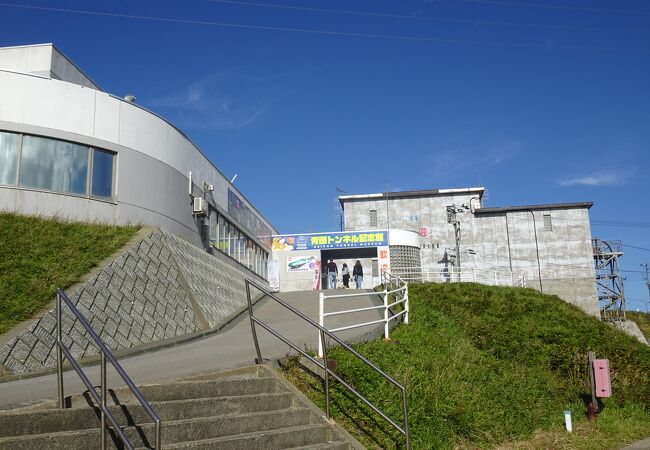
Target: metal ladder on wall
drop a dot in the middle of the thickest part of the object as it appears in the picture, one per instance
(100, 399)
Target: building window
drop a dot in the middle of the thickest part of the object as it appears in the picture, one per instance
(57, 166)
(8, 157)
(53, 165)
(373, 218)
(548, 224)
(102, 181)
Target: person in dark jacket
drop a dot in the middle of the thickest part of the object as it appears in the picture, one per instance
(357, 273)
(332, 273)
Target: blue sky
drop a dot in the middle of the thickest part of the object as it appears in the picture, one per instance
(540, 101)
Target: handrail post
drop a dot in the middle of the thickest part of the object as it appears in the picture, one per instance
(59, 352)
(386, 315)
(103, 394)
(405, 408)
(321, 321)
(327, 376)
(406, 304)
(158, 435)
(250, 315)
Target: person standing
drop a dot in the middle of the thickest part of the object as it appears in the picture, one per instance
(357, 273)
(332, 272)
(346, 276)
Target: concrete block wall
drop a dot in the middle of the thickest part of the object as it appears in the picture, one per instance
(503, 240)
(162, 288)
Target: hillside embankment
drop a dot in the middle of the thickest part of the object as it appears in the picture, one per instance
(39, 255)
(492, 367)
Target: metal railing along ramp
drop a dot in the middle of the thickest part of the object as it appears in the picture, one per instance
(100, 399)
(494, 277)
(394, 288)
(321, 363)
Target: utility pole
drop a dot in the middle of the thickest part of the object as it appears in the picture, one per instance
(646, 278)
(452, 218)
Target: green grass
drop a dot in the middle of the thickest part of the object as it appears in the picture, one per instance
(37, 256)
(642, 319)
(488, 366)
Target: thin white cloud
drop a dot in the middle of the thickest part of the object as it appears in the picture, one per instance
(612, 178)
(454, 159)
(225, 100)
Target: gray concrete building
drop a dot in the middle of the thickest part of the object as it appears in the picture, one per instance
(68, 149)
(546, 247)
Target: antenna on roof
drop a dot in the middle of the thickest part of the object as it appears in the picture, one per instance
(340, 191)
(234, 178)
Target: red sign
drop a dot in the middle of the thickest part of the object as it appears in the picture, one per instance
(423, 231)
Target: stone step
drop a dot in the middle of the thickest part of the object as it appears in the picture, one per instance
(209, 388)
(172, 432)
(298, 437)
(79, 418)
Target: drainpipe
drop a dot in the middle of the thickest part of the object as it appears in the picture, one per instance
(539, 267)
(508, 236)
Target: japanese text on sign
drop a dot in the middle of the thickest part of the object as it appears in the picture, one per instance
(331, 240)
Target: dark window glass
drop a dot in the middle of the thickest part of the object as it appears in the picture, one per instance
(102, 174)
(8, 157)
(53, 165)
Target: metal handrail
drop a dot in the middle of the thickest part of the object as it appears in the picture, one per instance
(105, 354)
(499, 276)
(388, 280)
(404, 429)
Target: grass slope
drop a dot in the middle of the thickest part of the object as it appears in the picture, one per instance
(489, 366)
(37, 256)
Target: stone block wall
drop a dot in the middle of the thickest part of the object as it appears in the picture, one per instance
(162, 288)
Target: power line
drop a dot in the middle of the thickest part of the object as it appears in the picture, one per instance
(638, 248)
(573, 8)
(423, 18)
(318, 32)
(621, 223)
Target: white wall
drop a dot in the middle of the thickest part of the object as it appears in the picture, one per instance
(153, 157)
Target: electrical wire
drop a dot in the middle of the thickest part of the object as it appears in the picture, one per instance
(565, 7)
(423, 18)
(320, 32)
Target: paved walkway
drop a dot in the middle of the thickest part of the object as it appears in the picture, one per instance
(230, 348)
(640, 445)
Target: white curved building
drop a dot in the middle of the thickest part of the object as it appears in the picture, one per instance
(69, 149)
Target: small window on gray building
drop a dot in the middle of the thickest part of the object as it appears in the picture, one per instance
(102, 181)
(548, 224)
(373, 218)
(9, 143)
(375, 267)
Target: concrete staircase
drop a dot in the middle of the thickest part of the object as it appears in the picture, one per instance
(251, 408)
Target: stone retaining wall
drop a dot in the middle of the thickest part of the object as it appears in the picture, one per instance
(162, 288)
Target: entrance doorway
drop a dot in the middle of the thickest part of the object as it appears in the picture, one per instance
(366, 255)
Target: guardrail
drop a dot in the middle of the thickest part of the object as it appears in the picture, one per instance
(100, 399)
(404, 429)
(499, 277)
(401, 294)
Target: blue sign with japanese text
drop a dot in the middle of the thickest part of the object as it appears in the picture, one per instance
(317, 241)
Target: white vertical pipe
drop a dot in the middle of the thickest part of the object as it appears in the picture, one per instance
(321, 319)
(406, 304)
(386, 315)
